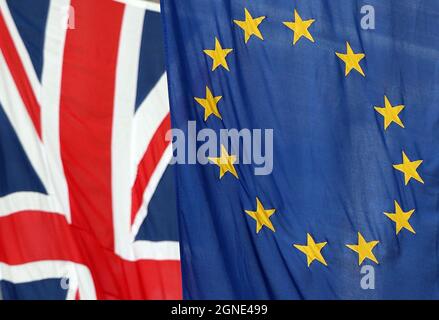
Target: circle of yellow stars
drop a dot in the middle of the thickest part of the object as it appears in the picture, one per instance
(390, 113)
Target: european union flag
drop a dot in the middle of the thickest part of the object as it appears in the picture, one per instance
(330, 190)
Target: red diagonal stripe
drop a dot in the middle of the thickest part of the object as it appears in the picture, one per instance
(148, 164)
(16, 67)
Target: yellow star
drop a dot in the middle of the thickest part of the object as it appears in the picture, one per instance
(390, 114)
(225, 163)
(219, 56)
(300, 27)
(352, 60)
(209, 104)
(409, 168)
(312, 250)
(250, 25)
(401, 218)
(364, 249)
(262, 216)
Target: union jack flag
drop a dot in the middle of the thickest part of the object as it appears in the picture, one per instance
(86, 198)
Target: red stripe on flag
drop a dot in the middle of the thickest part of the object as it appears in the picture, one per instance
(86, 114)
(16, 67)
(148, 165)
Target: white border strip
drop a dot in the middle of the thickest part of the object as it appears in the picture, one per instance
(124, 102)
(78, 275)
(161, 250)
(142, 4)
(50, 99)
(28, 201)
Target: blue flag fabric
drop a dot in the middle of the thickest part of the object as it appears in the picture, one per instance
(351, 207)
